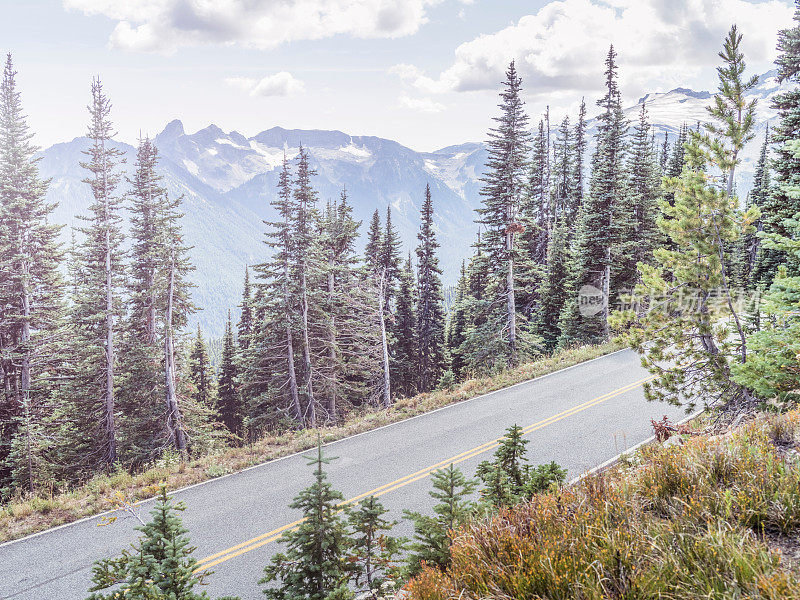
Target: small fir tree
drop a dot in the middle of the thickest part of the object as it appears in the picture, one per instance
(373, 553)
(159, 566)
(314, 564)
(432, 534)
(227, 395)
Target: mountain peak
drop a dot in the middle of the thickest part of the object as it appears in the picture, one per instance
(689, 92)
(173, 129)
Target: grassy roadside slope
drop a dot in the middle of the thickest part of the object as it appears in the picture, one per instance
(24, 515)
(717, 516)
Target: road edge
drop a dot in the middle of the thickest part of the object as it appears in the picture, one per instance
(325, 445)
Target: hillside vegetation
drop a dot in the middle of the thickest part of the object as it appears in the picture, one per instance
(716, 516)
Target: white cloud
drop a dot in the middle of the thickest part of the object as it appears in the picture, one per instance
(279, 84)
(562, 46)
(165, 25)
(422, 105)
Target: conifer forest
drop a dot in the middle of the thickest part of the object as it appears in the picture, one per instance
(592, 228)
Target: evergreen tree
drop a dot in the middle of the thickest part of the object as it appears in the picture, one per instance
(663, 155)
(270, 377)
(374, 243)
(200, 375)
(599, 220)
(674, 165)
(457, 325)
(389, 258)
(246, 318)
(553, 292)
(159, 566)
(314, 564)
(432, 533)
(535, 216)
(372, 552)
(577, 177)
(772, 370)
(227, 395)
(160, 303)
(503, 190)
(732, 116)
(97, 307)
(31, 328)
(636, 244)
(508, 479)
(562, 191)
(430, 302)
(406, 374)
(352, 339)
(305, 262)
(749, 247)
(688, 338)
(779, 205)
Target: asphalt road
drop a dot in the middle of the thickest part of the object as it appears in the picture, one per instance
(580, 417)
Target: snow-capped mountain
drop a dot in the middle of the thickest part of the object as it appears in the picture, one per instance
(228, 180)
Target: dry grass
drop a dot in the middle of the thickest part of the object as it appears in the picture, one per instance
(717, 517)
(24, 515)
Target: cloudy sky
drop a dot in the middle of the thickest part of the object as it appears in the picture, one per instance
(422, 72)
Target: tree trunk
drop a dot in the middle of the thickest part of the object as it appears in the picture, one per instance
(511, 302)
(332, 346)
(174, 416)
(312, 405)
(25, 367)
(293, 392)
(387, 388)
(111, 426)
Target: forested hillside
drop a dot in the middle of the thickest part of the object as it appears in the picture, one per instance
(229, 179)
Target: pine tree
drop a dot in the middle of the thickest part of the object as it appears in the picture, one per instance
(577, 177)
(160, 304)
(457, 326)
(349, 356)
(432, 533)
(227, 395)
(553, 292)
(749, 247)
(562, 184)
(779, 205)
(31, 332)
(305, 262)
(97, 308)
(159, 566)
(200, 375)
(637, 242)
(503, 190)
(246, 319)
(509, 479)
(405, 373)
(535, 215)
(597, 228)
(733, 117)
(663, 155)
(374, 243)
(389, 258)
(314, 563)
(430, 303)
(372, 551)
(270, 377)
(689, 336)
(674, 165)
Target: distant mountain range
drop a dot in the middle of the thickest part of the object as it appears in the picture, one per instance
(228, 180)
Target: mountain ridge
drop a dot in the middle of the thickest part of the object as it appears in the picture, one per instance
(228, 180)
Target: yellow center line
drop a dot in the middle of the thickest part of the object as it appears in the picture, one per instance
(265, 538)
